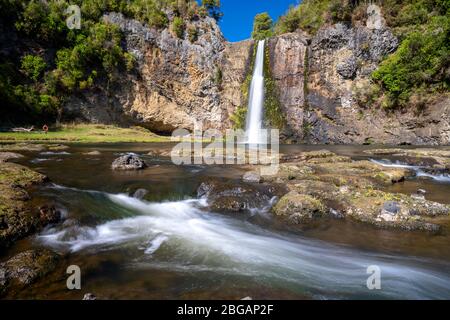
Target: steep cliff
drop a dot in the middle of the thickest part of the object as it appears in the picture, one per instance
(177, 82)
(319, 84)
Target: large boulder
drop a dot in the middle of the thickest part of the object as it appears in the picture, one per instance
(129, 162)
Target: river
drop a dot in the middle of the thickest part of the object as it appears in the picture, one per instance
(169, 246)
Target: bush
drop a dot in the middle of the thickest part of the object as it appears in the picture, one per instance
(192, 34)
(290, 22)
(33, 66)
(421, 60)
(178, 27)
(262, 26)
(212, 7)
(309, 16)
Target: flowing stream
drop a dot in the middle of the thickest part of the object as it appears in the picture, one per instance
(169, 245)
(256, 99)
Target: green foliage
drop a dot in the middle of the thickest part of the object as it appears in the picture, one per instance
(290, 22)
(239, 117)
(420, 66)
(262, 26)
(178, 27)
(192, 34)
(77, 59)
(218, 77)
(43, 20)
(272, 107)
(422, 60)
(310, 15)
(33, 66)
(240, 114)
(212, 7)
(150, 12)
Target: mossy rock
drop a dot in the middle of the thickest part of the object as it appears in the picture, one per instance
(299, 208)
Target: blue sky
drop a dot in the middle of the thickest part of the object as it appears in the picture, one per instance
(237, 22)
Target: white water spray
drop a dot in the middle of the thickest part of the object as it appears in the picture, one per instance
(256, 101)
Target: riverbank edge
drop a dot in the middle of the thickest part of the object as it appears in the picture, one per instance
(85, 133)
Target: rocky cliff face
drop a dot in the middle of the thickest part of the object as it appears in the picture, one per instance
(318, 78)
(177, 83)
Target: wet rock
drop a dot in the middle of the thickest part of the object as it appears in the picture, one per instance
(436, 159)
(89, 297)
(56, 147)
(252, 177)
(32, 147)
(17, 218)
(233, 197)
(322, 186)
(49, 215)
(6, 156)
(421, 191)
(129, 162)
(299, 208)
(93, 153)
(163, 153)
(25, 268)
(140, 194)
(391, 207)
(23, 147)
(303, 156)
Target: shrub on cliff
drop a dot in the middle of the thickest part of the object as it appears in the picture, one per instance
(33, 88)
(262, 26)
(422, 62)
(33, 66)
(178, 27)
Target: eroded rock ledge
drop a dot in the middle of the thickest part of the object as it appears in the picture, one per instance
(322, 184)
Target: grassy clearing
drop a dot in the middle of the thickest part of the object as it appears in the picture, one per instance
(88, 133)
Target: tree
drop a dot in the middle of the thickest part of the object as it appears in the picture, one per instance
(262, 26)
(213, 8)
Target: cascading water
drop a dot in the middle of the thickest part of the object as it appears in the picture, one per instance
(183, 237)
(256, 99)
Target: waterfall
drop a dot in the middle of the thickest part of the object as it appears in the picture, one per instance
(256, 99)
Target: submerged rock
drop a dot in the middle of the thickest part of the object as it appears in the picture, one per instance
(93, 153)
(34, 147)
(129, 162)
(6, 156)
(49, 215)
(252, 177)
(140, 194)
(25, 268)
(89, 297)
(17, 218)
(229, 196)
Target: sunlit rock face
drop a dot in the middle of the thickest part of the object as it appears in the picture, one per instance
(177, 82)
